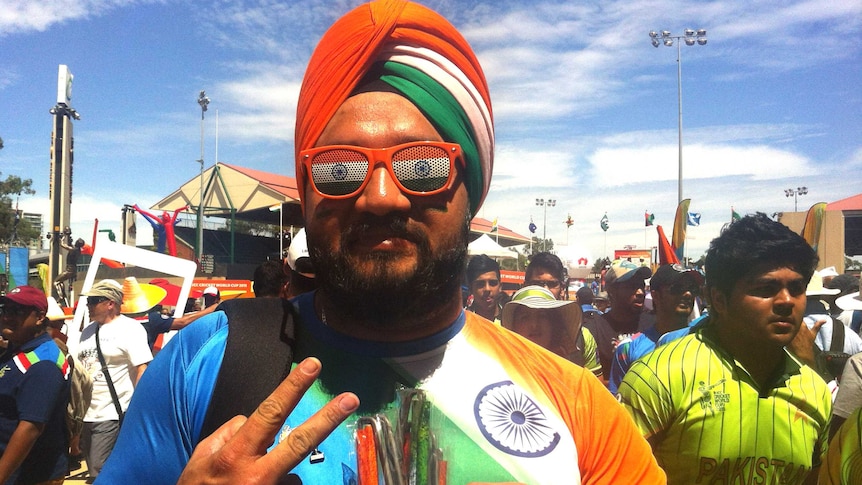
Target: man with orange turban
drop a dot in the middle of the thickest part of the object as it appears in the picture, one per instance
(391, 382)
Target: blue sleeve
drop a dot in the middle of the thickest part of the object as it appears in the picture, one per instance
(168, 408)
(619, 365)
(42, 385)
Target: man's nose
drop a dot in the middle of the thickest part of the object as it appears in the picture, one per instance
(382, 195)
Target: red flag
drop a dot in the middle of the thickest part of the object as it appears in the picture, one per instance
(666, 254)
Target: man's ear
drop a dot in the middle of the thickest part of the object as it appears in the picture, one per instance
(718, 301)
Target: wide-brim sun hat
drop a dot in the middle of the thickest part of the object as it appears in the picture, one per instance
(539, 298)
(815, 287)
(140, 297)
(852, 301)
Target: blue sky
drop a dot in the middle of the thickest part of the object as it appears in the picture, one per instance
(585, 107)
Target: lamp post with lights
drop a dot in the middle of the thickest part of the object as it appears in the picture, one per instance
(794, 193)
(545, 204)
(203, 101)
(665, 38)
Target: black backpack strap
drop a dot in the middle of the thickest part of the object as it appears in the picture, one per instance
(837, 344)
(258, 356)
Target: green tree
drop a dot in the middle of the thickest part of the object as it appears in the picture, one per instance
(539, 246)
(600, 264)
(10, 223)
(851, 264)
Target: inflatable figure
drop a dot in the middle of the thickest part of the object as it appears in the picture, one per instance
(164, 227)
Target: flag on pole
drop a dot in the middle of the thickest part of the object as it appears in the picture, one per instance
(813, 224)
(648, 219)
(734, 216)
(532, 227)
(494, 225)
(693, 219)
(604, 222)
(677, 240)
(666, 255)
(569, 221)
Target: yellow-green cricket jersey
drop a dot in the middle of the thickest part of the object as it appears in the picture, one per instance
(843, 464)
(709, 422)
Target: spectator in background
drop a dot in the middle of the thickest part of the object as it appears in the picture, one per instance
(212, 296)
(483, 278)
(849, 396)
(34, 391)
(831, 336)
(585, 298)
(849, 302)
(674, 290)
(270, 280)
(301, 278)
(626, 289)
(123, 344)
(601, 301)
(728, 400)
(537, 315)
(546, 270)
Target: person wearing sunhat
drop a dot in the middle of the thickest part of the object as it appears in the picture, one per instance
(123, 344)
(851, 304)
(536, 314)
(34, 391)
(625, 283)
(817, 308)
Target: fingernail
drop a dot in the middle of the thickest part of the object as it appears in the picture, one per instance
(309, 366)
(348, 402)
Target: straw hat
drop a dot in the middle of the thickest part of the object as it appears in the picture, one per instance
(140, 297)
(55, 312)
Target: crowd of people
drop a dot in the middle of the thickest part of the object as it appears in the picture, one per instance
(378, 352)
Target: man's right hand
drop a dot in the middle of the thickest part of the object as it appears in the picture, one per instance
(236, 452)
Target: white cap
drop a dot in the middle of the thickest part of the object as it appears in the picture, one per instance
(211, 290)
(298, 249)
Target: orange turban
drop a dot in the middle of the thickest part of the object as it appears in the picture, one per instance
(425, 58)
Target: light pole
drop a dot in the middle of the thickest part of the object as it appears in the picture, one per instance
(203, 101)
(545, 204)
(691, 37)
(793, 193)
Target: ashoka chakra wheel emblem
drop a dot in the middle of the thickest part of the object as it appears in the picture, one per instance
(512, 422)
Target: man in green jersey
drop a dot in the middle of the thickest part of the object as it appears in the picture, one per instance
(728, 403)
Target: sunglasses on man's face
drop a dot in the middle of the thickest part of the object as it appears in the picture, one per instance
(95, 300)
(418, 168)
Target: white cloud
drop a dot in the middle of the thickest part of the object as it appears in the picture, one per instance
(22, 16)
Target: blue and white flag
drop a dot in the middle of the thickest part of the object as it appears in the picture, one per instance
(693, 219)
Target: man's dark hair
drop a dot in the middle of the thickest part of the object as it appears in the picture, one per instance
(756, 241)
(269, 278)
(549, 262)
(479, 265)
(585, 295)
(846, 283)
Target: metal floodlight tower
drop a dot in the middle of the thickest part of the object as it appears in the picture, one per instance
(690, 37)
(545, 204)
(794, 193)
(203, 101)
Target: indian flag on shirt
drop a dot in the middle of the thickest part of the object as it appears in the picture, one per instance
(485, 427)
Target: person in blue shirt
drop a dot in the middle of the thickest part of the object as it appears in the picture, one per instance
(34, 391)
(673, 289)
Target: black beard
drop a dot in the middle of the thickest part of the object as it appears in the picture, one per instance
(378, 297)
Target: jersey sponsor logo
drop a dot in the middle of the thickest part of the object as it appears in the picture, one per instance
(712, 399)
(512, 422)
(750, 470)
